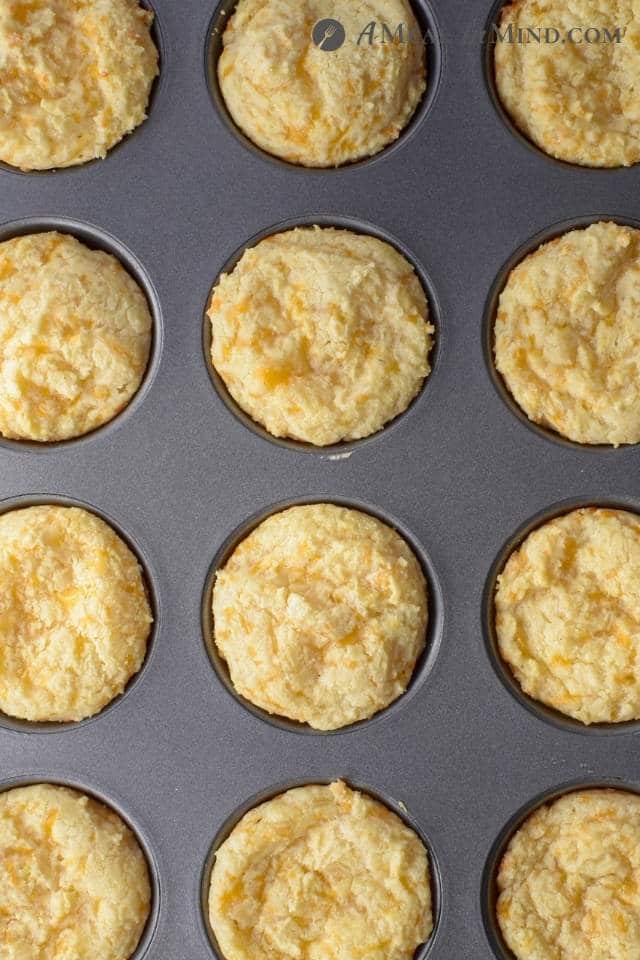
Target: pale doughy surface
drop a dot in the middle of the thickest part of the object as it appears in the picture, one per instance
(315, 107)
(576, 101)
(569, 883)
(321, 335)
(75, 883)
(75, 336)
(74, 614)
(322, 872)
(567, 335)
(75, 77)
(321, 614)
(568, 615)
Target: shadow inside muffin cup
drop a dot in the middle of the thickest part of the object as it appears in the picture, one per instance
(489, 885)
(428, 25)
(149, 930)
(154, 94)
(501, 667)
(227, 827)
(54, 726)
(553, 232)
(95, 239)
(424, 664)
(345, 447)
(488, 71)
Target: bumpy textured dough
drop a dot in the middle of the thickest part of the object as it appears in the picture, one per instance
(75, 883)
(567, 335)
(321, 335)
(75, 336)
(321, 614)
(576, 101)
(323, 872)
(568, 614)
(569, 882)
(316, 107)
(74, 614)
(75, 77)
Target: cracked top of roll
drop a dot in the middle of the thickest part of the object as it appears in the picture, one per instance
(75, 77)
(75, 882)
(321, 334)
(573, 92)
(321, 871)
(567, 335)
(75, 337)
(321, 615)
(309, 103)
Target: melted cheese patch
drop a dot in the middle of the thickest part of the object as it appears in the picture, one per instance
(569, 882)
(323, 872)
(316, 107)
(75, 77)
(75, 882)
(74, 614)
(568, 615)
(321, 335)
(567, 335)
(75, 336)
(576, 101)
(321, 614)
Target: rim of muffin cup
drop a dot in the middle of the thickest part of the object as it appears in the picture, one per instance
(19, 725)
(364, 228)
(428, 23)
(500, 666)
(489, 885)
(488, 73)
(134, 825)
(435, 605)
(157, 88)
(552, 232)
(270, 793)
(95, 238)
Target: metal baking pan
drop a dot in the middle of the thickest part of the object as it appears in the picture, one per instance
(461, 474)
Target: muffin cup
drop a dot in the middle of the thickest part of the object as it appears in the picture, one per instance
(227, 827)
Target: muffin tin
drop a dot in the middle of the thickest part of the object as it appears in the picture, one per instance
(179, 474)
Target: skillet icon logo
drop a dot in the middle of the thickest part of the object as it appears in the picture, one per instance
(328, 35)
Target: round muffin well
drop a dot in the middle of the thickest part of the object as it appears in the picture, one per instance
(75, 337)
(320, 615)
(75, 617)
(326, 868)
(566, 337)
(572, 93)
(75, 78)
(567, 616)
(310, 101)
(321, 335)
(75, 881)
(567, 883)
